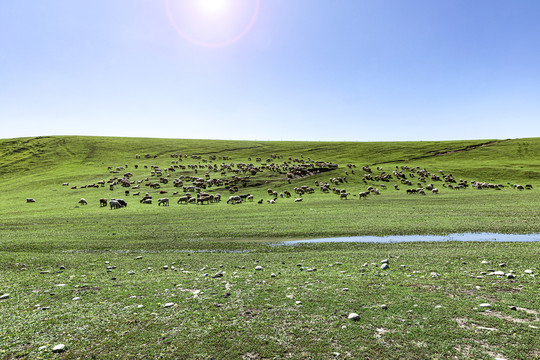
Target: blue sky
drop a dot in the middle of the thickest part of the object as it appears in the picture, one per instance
(355, 70)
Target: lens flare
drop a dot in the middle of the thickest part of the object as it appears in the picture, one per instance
(212, 23)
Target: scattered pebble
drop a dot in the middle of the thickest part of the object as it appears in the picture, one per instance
(384, 307)
(140, 306)
(138, 258)
(258, 267)
(298, 303)
(168, 305)
(528, 271)
(5, 296)
(384, 266)
(485, 305)
(59, 348)
(41, 348)
(485, 262)
(76, 298)
(353, 316)
(272, 275)
(131, 272)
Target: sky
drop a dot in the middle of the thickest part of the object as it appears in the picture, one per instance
(321, 70)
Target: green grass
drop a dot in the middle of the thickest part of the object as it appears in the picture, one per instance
(260, 318)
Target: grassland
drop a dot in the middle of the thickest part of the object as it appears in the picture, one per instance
(225, 309)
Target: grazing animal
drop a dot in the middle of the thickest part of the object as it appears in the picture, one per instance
(30, 200)
(343, 195)
(83, 202)
(102, 202)
(260, 201)
(147, 201)
(234, 199)
(163, 201)
(122, 202)
(183, 199)
(435, 190)
(298, 200)
(271, 201)
(114, 204)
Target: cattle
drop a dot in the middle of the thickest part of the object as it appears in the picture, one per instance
(102, 202)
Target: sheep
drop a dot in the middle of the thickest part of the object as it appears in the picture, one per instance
(234, 199)
(147, 201)
(83, 202)
(435, 191)
(163, 201)
(65, 184)
(114, 204)
(343, 195)
(298, 200)
(271, 201)
(528, 186)
(363, 194)
(102, 202)
(250, 197)
(30, 200)
(122, 202)
(183, 199)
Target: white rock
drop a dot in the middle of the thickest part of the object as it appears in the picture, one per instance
(5, 296)
(528, 271)
(258, 267)
(485, 262)
(497, 273)
(41, 348)
(272, 275)
(298, 302)
(485, 305)
(168, 305)
(59, 348)
(76, 298)
(138, 258)
(384, 266)
(61, 285)
(140, 306)
(353, 316)
(131, 272)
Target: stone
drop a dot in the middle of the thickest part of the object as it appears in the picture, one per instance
(385, 261)
(5, 296)
(528, 271)
(76, 298)
(138, 258)
(41, 348)
(258, 267)
(165, 267)
(485, 262)
(384, 266)
(485, 305)
(131, 272)
(272, 275)
(353, 316)
(513, 308)
(510, 276)
(497, 273)
(384, 306)
(59, 348)
(167, 305)
(434, 274)
(298, 302)
(502, 264)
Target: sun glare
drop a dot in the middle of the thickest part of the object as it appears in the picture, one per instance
(213, 6)
(212, 23)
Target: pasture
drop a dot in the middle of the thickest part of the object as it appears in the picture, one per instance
(97, 278)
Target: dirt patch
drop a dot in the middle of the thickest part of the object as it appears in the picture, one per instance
(506, 317)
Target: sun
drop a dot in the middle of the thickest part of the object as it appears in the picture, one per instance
(212, 6)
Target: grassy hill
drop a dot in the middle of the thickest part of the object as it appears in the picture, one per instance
(37, 168)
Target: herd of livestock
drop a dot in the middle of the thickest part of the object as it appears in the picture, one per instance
(194, 181)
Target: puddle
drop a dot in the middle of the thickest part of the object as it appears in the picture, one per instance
(496, 237)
